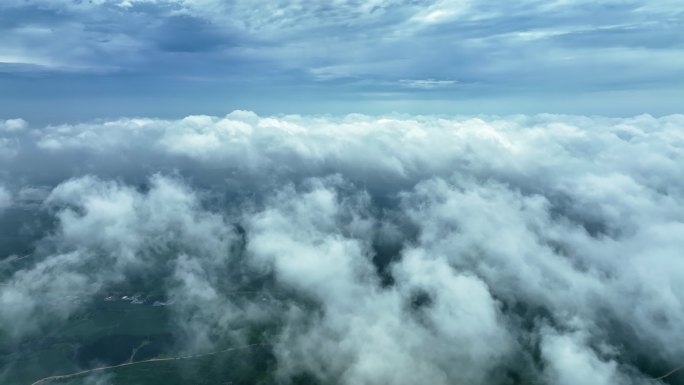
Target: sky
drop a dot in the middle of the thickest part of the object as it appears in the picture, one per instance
(449, 191)
(74, 60)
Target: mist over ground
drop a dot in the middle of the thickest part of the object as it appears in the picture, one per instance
(394, 249)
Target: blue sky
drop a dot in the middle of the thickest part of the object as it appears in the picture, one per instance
(70, 60)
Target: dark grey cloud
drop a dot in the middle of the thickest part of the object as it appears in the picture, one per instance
(189, 34)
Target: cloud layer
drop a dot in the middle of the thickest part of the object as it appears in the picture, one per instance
(150, 57)
(396, 249)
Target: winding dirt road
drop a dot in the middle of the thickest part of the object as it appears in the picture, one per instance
(103, 368)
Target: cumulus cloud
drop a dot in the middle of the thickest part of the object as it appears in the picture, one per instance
(393, 249)
(107, 231)
(8, 148)
(13, 125)
(9, 131)
(318, 241)
(570, 361)
(515, 148)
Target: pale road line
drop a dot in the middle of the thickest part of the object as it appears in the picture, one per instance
(135, 350)
(71, 375)
(668, 374)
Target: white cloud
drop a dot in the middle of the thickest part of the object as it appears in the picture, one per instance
(8, 148)
(516, 147)
(105, 231)
(426, 84)
(571, 361)
(9, 131)
(318, 243)
(13, 125)
(443, 11)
